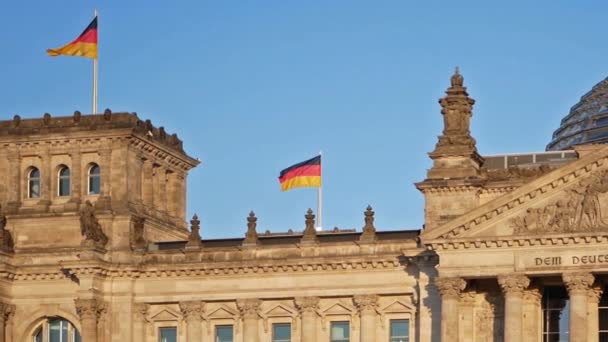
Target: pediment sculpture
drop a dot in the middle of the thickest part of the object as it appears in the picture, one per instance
(580, 210)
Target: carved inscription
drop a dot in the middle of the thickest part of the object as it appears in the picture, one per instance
(570, 260)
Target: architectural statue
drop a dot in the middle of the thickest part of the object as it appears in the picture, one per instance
(90, 227)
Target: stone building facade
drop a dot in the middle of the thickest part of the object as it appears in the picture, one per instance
(95, 247)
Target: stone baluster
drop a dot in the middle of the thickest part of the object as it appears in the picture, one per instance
(249, 310)
(87, 310)
(307, 307)
(578, 285)
(367, 305)
(450, 289)
(140, 315)
(192, 311)
(531, 314)
(513, 286)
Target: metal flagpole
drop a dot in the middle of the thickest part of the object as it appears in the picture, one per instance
(95, 75)
(320, 199)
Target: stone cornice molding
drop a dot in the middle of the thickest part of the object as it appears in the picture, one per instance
(513, 284)
(366, 302)
(249, 308)
(182, 162)
(578, 282)
(307, 304)
(192, 310)
(450, 287)
(543, 185)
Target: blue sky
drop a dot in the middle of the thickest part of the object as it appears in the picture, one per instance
(255, 86)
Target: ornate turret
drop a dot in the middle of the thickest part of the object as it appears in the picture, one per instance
(455, 155)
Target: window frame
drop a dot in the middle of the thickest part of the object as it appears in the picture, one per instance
(161, 328)
(220, 325)
(30, 179)
(90, 176)
(61, 178)
(409, 330)
(332, 323)
(275, 324)
(44, 330)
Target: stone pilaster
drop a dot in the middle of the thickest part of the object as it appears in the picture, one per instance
(6, 311)
(307, 307)
(162, 189)
(102, 311)
(14, 187)
(367, 305)
(192, 311)
(532, 317)
(450, 289)
(578, 285)
(105, 173)
(593, 298)
(147, 183)
(87, 310)
(467, 313)
(249, 310)
(513, 287)
(46, 178)
(172, 194)
(140, 315)
(76, 176)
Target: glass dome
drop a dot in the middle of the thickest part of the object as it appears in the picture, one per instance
(587, 121)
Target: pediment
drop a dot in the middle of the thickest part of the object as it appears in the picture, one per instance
(398, 307)
(165, 315)
(221, 312)
(338, 309)
(570, 200)
(280, 311)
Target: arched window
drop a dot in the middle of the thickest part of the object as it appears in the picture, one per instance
(63, 181)
(94, 180)
(56, 329)
(33, 183)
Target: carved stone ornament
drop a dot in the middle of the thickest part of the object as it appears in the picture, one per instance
(595, 293)
(366, 302)
(579, 211)
(310, 233)
(6, 311)
(533, 294)
(450, 287)
(140, 311)
(90, 227)
(138, 241)
(192, 310)
(251, 238)
(87, 308)
(369, 231)
(513, 283)
(6, 239)
(194, 239)
(249, 308)
(307, 304)
(578, 282)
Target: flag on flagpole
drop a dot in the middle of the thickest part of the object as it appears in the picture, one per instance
(306, 174)
(83, 46)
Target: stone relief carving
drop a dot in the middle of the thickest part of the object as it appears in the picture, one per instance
(138, 241)
(6, 240)
(579, 210)
(249, 308)
(192, 310)
(90, 227)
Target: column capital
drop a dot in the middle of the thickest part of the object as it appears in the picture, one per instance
(87, 308)
(6, 311)
(140, 311)
(594, 293)
(578, 281)
(192, 310)
(307, 304)
(468, 297)
(450, 287)
(366, 302)
(532, 294)
(513, 283)
(249, 308)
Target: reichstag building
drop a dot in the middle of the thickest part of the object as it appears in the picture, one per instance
(95, 245)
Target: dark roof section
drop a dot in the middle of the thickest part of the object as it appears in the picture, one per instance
(92, 122)
(293, 238)
(587, 121)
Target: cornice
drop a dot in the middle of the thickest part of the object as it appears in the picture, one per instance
(181, 161)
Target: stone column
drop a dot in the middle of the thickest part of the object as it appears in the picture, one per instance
(578, 283)
(87, 311)
(76, 176)
(450, 289)
(192, 311)
(308, 306)
(140, 313)
(531, 315)
(47, 175)
(148, 183)
(181, 179)
(513, 286)
(172, 194)
(105, 156)
(162, 189)
(249, 310)
(14, 180)
(367, 304)
(467, 315)
(593, 298)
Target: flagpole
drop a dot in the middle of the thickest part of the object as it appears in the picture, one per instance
(320, 200)
(95, 76)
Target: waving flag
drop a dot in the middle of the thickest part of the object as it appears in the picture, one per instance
(306, 174)
(83, 46)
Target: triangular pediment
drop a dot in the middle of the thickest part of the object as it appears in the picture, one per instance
(338, 309)
(222, 312)
(165, 315)
(398, 307)
(280, 311)
(571, 199)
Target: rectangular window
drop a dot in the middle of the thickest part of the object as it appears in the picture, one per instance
(556, 314)
(340, 332)
(168, 334)
(400, 330)
(281, 332)
(223, 333)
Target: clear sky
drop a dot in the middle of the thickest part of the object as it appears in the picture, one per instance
(255, 86)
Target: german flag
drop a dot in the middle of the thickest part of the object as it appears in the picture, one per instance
(83, 46)
(306, 174)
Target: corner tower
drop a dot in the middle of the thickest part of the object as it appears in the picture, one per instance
(129, 170)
